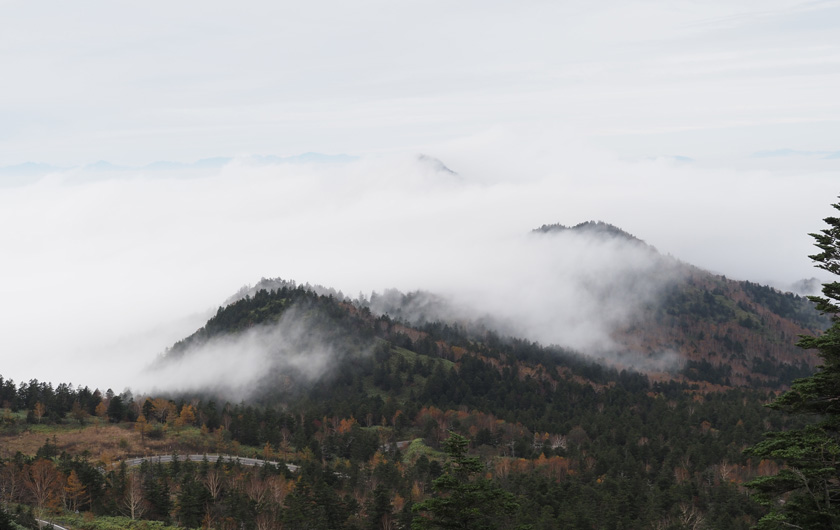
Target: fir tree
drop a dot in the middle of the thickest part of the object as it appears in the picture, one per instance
(806, 492)
(463, 498)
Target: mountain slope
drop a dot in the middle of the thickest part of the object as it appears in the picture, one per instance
(361, 395)
(721, 331)
(728, 332)
(678, 323)
(542, 419)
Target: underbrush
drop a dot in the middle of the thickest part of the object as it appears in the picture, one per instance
(86, 522)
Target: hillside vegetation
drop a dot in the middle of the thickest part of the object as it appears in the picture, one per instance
(388, 406)
(577, 443)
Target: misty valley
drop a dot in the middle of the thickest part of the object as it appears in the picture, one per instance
(634, 399)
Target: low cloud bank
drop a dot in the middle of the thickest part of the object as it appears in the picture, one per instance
(99, 276)
(570, 289)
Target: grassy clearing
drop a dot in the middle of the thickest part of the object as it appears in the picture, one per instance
(411, 357)
(417, 448)
(104, 442)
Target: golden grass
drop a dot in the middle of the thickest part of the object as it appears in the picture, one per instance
(102, 441)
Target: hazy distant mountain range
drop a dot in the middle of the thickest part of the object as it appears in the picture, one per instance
(35, 169)
(796, 152)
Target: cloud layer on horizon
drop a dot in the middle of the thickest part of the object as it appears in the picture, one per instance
(101, 275)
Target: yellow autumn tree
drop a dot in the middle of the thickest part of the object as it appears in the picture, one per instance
(187, 416)
(39, 410)
(78, 412)
(141, 426)
(75, 493)
(346, 425)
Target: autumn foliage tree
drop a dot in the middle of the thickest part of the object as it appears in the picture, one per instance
(43, 481)
(186, 417)
(78, 412)
(101, 410)
(39, 410)
(75, 492)
(142, 426)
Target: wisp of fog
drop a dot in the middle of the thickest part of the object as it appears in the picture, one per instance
(292, 352)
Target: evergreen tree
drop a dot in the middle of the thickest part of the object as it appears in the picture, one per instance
(157, 494)
(6, 522)
(806, 492)
(303, 510)
(191, 501)
(379, 508)
(463, 498)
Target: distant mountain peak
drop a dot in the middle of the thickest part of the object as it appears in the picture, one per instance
(599, 228)
(434, 163)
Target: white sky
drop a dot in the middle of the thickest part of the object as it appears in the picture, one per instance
(549, 112)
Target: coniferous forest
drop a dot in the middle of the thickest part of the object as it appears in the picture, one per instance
(425, 424)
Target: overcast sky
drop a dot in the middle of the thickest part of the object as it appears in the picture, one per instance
(709, 129)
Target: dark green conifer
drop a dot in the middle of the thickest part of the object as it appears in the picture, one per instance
(463, 497)
(806, 492)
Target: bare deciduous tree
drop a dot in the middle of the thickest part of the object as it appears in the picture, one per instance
(690, 516)
(256, 489)
(133, 501)
(213, 481)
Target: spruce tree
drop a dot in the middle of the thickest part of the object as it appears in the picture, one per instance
(806, 492)
(463, 497)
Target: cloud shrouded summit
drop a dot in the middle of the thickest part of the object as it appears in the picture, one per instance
(101, 274)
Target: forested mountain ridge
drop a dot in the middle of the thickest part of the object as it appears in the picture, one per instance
(576, 443)
(694, 327)
(722, 331)
(573, 440)
(659, 437)
(592, 228)
(727, 332)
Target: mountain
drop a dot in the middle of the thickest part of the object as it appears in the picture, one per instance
(697, 329)
(581, 442)
(28, 172)
(723, 331)
(28, 169)
(434, 164)
(589, 228)
(367, 398)
(728, 332)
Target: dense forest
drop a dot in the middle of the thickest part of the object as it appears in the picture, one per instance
(558, 439)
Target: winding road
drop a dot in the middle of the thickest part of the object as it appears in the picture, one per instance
(163, 459)
(43, 524)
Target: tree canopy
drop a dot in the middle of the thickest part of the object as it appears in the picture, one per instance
(463, 497)
(806, 492)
